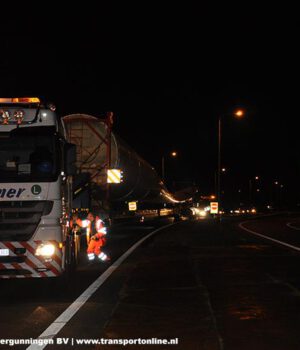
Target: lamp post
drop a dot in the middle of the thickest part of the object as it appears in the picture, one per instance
(277, 193)
(250, 189)
(238, 114)
(172, 154)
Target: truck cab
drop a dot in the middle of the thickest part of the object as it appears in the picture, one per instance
(36, 168)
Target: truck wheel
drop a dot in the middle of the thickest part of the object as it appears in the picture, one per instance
(70, 259)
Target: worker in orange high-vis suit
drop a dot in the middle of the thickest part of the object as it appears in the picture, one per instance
(95, 234)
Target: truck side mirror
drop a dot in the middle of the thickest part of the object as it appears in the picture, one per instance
(70, 159)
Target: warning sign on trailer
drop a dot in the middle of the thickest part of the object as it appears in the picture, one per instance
(114, 176)
(214, 207)
(132, 206)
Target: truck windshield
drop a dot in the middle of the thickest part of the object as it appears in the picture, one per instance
(29, 155)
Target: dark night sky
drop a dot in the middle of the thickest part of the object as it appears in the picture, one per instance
(167, 74)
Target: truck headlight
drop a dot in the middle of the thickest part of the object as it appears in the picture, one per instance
(46, 250)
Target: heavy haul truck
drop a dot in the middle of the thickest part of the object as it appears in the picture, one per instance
(48, 167)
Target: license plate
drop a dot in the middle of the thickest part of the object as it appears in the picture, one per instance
(4, 252)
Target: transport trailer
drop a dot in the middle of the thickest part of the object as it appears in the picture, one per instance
(99, 150)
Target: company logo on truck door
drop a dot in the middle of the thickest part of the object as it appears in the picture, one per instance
(11, 192)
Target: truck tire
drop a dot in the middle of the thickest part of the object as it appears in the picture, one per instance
(70, 257)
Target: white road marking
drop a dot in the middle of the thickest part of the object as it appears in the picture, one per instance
(65, 317)
(289, 224)
(241, 225)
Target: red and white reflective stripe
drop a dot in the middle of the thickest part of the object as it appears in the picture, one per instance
(32, 262)
(38, 260)
(27, 265)
(35, 260)
(57, 257)
(6, 267)
(4, 246)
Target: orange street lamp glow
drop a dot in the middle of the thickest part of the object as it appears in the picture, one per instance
(239, 113)
(174, 154)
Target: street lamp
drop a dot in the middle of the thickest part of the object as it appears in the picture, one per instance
(239, 113)
(172, 154)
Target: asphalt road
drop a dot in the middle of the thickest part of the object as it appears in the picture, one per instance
(203, 284)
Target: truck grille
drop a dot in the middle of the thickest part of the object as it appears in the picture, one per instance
(19, 219)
